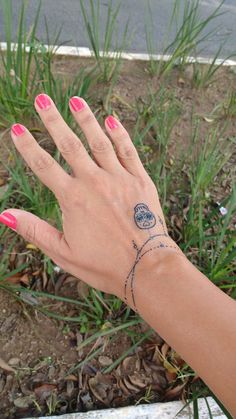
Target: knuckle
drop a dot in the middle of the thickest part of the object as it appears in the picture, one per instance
(43, 161)
(64, 197)
(68, 145)
(86, 118)
(51, 118)
(100, 146)
(127, 152)
(31, 233)
(145, 182)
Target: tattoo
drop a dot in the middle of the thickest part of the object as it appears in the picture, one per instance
(143, 217)
(145, 220)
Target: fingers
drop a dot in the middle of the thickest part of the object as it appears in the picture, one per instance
(99, 143)
(41, 163)
(38, 232)
(65, 139)
(125, 149)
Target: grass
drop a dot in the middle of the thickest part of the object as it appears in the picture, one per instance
(191, 31)
(186, 179)
(103, 43)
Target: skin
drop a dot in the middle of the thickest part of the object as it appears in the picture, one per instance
(100, 242)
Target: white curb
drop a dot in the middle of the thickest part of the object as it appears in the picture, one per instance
(151, 411)
(85, 52)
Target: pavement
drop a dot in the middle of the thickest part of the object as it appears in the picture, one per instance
(68, 15)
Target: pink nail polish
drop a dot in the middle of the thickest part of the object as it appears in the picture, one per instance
(18, 129)
(9, 220)
(43, 101)
(77, 104)
(112, 122)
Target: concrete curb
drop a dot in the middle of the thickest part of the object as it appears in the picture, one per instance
(85, 52)
(151, 411)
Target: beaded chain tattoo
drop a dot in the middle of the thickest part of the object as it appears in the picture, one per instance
(145, 220)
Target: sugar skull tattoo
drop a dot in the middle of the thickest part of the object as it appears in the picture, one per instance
(143, 217)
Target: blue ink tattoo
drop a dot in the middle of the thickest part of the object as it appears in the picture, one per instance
(143, 217)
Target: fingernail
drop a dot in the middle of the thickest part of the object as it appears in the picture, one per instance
(9, 220)
(112, 122)
(43, 101)
(18, 129)
(77, 104)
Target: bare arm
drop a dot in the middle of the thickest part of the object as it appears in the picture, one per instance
(194, 316)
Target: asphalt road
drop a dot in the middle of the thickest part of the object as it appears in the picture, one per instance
(68, 14)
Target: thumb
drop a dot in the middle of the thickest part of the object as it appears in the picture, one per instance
(36, 231)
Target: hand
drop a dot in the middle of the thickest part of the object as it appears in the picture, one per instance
(110, 207)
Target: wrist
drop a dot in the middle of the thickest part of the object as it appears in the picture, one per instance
(156, 260)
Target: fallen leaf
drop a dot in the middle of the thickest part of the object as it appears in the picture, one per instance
(174, 392)
(25, 279)
(105, 361)
(181, 81)
(31, 246)
(164, 349)
(83, 289)
(14, 279)
(43, 391)
(5, 366)
(23, 402)
(71, 377)
(209, 120)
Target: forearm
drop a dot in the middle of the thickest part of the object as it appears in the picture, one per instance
(196, 318)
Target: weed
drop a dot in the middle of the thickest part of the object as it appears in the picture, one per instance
(203, 75)
(207, 161)
(18, 83)
(27, 71)
(191, 33)
(109, 66)
(230, 105)
(158, 114)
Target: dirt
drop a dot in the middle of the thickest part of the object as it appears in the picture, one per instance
(38, 353)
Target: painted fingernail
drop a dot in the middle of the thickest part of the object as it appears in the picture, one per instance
(9, 220)
(43, 101)
(112, 122)
(77, 104)
(18, 129)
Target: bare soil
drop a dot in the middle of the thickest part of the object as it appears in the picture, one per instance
(38, 353)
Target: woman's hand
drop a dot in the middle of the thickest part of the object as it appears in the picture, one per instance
(110, 207)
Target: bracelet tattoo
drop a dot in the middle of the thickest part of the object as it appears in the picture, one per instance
(145, 220)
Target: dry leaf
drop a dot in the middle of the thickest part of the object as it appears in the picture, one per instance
(25, 279)
(31, 246)
(209, 120)
(164, 349)
(5, 366)
(105, 361)
(14, 279)
(43, 391)
(174, 392)
(71, 377)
